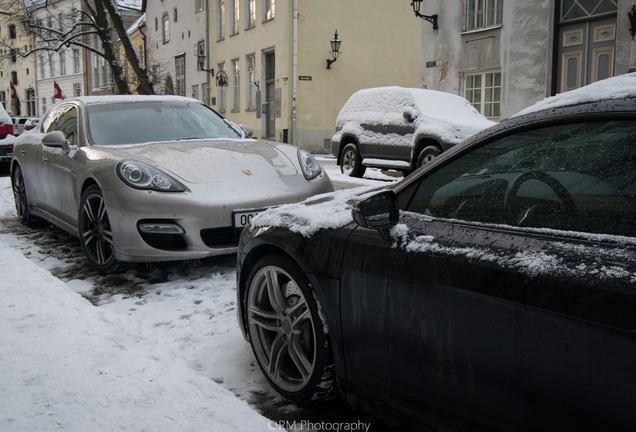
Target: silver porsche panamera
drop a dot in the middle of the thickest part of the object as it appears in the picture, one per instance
(152, 178)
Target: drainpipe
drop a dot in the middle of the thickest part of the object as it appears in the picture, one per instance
(208, 97)
(294, 70)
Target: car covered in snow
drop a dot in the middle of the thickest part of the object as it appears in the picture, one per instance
(400, 128)
(152, 178)
(493, 289)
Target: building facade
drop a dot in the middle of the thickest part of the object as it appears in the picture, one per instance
(17, 73)
(504, 55)
(265, 61)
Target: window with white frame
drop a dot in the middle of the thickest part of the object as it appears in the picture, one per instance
(62, 63)
(483, 91)
(179, 72)
(269, 9)
(236, 16)
(30, 100)
(220, 19)
(250, 64)
(199, 5)
(41, 60)
(51, 66)
(250, 16)
(195, 91)
(236, 85)
(76, 61)
(165, 29)
(205, 93)
(483, 13)
(221, 92)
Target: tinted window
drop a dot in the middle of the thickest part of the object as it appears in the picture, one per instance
(67, 123)
(139, 122)
(579, 177)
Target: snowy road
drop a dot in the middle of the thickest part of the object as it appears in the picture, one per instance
(187, 308)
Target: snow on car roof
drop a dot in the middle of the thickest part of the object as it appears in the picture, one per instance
(622, 86)
(128, 98)
(448, 117)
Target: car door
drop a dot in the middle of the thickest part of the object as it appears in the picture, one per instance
(59, 174)
(501, 297)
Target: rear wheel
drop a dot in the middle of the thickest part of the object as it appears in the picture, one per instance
(286, 332)
(427, 154)
(96, 236)
(352, 162)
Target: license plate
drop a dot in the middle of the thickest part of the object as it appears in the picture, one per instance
(242, 218)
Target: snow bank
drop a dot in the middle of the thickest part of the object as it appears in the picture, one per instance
(67, 365)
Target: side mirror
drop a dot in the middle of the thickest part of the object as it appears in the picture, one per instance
(247, 130)
(55, 139)
(379, 211)
(409, 115)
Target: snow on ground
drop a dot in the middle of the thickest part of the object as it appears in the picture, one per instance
(154, 348)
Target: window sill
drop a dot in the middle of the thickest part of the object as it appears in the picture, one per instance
(481, 30)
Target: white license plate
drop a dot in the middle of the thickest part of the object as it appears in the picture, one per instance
(242, 218)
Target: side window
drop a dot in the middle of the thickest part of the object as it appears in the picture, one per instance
(577, 177)
(49, 122)
(67, 123)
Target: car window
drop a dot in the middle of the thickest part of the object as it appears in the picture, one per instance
(67, 124)
(49, 122)
(579, 177)
(140, 122)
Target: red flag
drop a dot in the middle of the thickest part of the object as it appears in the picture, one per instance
(57, 94)
(14, 93)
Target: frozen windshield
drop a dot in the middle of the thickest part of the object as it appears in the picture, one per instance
(150, 121)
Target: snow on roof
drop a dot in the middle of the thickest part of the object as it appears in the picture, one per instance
(449, 117)
(618, 87)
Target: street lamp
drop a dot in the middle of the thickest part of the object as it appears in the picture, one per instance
(221, 76)
(335, 49)
(417, 5)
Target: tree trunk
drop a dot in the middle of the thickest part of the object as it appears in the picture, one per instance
(103, 32)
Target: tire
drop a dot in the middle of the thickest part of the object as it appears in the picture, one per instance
(352, 162)
(95, 234)
(20, 197)
(286, 332)
(427, 154)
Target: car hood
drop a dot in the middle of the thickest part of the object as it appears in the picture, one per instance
(210, 161)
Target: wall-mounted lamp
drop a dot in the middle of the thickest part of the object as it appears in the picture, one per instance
(632, 21)
(335, 49)
(417, 5)
(221, 76)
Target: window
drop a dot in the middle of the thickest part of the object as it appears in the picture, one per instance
(30, 100)
(577, 177)
(76, 61)
(77, 90)
(236, 13)
(14, 56)
(41, 60)
(12, 31)
(199, 5)
(156, 24)
(62, 63)
(483, 91)
(195, 91)
(269, 9)
(51, 65)
(483, 13)
(220, 19)
(166, 28)
(175, 14)
(201, 51)
(250, 61)
(14, 77)
(221, 92)
(179, 67)
(236, 86)
(250, 16)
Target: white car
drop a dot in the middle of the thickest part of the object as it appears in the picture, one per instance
(401, 128)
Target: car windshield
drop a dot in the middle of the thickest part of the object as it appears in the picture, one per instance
(151, 121)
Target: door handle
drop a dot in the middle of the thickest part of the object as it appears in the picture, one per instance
(22, 152)
(44, 159)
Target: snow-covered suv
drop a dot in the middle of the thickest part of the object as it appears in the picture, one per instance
(400, 128)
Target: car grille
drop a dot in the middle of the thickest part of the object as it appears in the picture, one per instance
(220, 237)
(168, 242)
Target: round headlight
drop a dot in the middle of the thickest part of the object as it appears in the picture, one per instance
(141, 176)
(308, 164)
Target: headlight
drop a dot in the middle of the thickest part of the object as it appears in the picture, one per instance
(141, 176)
(309, 164)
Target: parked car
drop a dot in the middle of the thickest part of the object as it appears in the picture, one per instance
(400, 128)
(31, 123)
(20, 124)
(152, 178)
(494, 289)
(6, 123)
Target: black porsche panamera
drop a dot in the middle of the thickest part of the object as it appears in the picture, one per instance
(495, 288)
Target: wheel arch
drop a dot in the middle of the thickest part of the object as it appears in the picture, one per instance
(346, 139)
(421, 144)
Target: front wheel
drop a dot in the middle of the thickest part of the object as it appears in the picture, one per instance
(95, 233)
(286, 332)
(352, 162)
(20, 197)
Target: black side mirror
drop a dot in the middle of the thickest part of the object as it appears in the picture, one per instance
(248, 132)
(408, 115)
(55, 139)
(379, 211)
